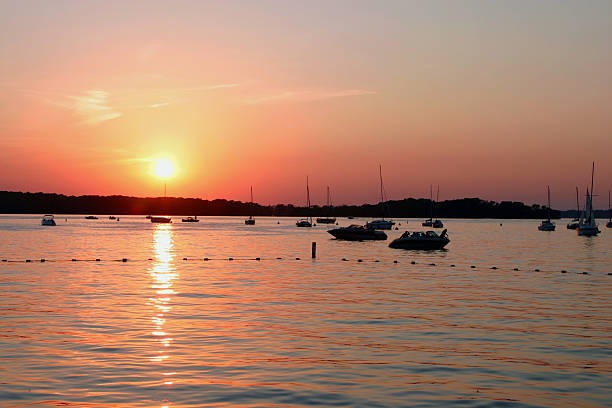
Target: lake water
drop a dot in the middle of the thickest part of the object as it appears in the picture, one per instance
(163, 331)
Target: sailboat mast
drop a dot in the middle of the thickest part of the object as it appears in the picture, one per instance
(431, 201)
(308, 197)
(251, 194)
(577, 203)
(548, 188)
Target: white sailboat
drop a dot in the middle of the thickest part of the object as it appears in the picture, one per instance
(381, 224)
(306, 222)
(250, 220)
(587, 226)
(547, 225)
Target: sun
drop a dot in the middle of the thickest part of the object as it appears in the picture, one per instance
(164, 168)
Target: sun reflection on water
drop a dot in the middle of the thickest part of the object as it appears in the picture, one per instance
(163, 274)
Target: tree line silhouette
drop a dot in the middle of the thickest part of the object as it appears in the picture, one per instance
(38, 203)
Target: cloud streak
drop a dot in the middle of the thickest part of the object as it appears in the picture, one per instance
(306, 95)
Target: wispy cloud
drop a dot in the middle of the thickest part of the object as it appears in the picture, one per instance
(307, 95)
(91, 106)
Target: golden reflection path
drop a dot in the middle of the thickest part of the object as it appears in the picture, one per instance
(163, 274)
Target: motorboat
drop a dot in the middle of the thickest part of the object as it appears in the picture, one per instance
(190, 219)
(327, 220)
(421, 240)
(438, 224)
(250, 220)
(547, 224)
(574, 223)
(357, 233)
(48, 220)
(148, 217)
(91, 217)
(350, 217)
(380, 224)
(161, 220)
(427, 223)
(587, 226)
(112, 217)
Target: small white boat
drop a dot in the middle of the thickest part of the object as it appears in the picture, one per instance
(587, 226)
(48, 220)
(547, 225)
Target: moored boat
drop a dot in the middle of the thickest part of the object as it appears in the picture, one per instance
(161, 220)
(306, 222)
(547, 224)
(357, 233)
(587, 226)
(327, 220)
(250, 220)
(428, 240)
(574, 223)
(91, 217)
(609, 223)
(190, 219)
(47, 220)
(382, 223)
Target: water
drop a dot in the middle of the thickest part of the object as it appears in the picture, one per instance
(168, 332)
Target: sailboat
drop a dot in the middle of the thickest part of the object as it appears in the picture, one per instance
(381, 224)
(250, 220)
(327, 220)
(609, 223)
(547, 225)
(430, 221)
(306, 222)
(587, 226)
(574, 224)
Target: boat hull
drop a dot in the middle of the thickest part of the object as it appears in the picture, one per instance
(249, 222)
(161, 220)
(572, 226)
(588, 231)
(326, 220)
(380, 225)
(609, 224)
(429, 244)
(350, 235)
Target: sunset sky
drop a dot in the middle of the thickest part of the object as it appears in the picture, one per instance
(489, 99)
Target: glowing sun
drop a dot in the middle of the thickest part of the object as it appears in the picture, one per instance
(164, 168)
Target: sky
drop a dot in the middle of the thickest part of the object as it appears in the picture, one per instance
(491, 99)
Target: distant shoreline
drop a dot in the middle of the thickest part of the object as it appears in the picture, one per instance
(474, 208)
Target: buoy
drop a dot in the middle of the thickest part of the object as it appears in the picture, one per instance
(563, 271)
(150, 259)
(396, 228)
(359, 260)
(297, 259)
(184, 259)
(97, 259)
(42, 259)
(230, 259)
(27, 260)
(585, 273)
(394, 261)
(124, 260)
(412, 262)
(377, 260)
(432, 264)
(206, 259)
(258, 259)
(344, 259)
(472, 266)
(536, 270)
(452, 265)
(515, 269)
(609, 273)
(4, 260)
(494, 267)
(73, 260)
(279, 257)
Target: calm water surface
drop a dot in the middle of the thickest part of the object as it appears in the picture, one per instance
(162, 331)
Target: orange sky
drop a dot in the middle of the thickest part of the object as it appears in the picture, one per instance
(486, 99)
